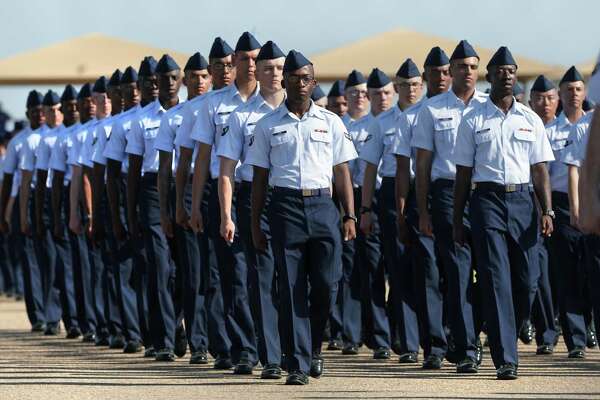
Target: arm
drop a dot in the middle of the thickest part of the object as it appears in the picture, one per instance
(368, 187)
(573, 190)
(56, 200)
(462, 186)
(260, 181)
(402, 189)
(24, 193)
(201, 171)
(133, 182)
(424, 160)
(226, 186)
(113, 191)
(39, 197)
(97, 194)
(541, 184)
(4, 197)
(87, 196)
(590, 179)
(181, 180)
(343, 187)
(75, 199)
(163, 184)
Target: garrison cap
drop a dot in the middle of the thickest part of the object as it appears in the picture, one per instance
(408, 70)
(436, 58)
(70, 93)
(196, 62)
(51, 98)
(34, 99)
(295, 60)
(166, 64)
(572, 75)
(377, 79)
(130, 75)
(247, 42)
(317, 93)
(100, 85)
(337, 89)
(355, 78)
(86, 91)
(220, 49)
(115, 78)
(502, 56)
(269, 51)
(463, 50)
(542, 84)
(147, 66)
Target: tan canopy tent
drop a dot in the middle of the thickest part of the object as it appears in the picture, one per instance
(79, 60)
(388, 50)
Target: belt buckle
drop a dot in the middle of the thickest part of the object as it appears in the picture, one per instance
(307, 192)
(511, 188)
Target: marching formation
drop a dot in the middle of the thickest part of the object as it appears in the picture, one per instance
(262, 217)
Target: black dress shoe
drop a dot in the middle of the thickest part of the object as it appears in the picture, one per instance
(271, 371)
(89, 337)
(526, 333)
(180, 342)
(577, 352)
(452, 355)
(408, 358)
(591, 340)
(316, 366)
(116, 342)
(350, 350)
(467, 366)
(73, 333)
(479, 352)
(223, 362)
(243, 367)
(544, 349)
(297, 378)
(102, 340)
(149, 352)
(432, 362)
(165, 355)
(507, 372)
(52, 329)
(334, 345)
(132, 346)
(199, 357)
(382, 353)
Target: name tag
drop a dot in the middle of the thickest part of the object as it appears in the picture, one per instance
(224, 113)
(483, 130)
(251, 124)
(525, 130)
(445, 119)
(321, 130)
(279, 133)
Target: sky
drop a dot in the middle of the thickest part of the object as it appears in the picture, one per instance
(552, 31)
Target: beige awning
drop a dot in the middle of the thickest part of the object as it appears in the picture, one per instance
(388, 50)
(79, 60)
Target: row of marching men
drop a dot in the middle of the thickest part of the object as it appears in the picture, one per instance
(150, 223)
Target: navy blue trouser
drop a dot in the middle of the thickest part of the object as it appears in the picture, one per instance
(193, 270)
(160, 268)
(506, 228)
(233, 275)
(456, 266)
(7, 277)
(32, 276)
(592, 258)
(14, 243)
(398, 261)
(262, 286)
(565, 248)
(306, 246)
(542, 313)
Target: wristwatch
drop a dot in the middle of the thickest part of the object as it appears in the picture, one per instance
(550, 213)
(350, 216)
(364, 210)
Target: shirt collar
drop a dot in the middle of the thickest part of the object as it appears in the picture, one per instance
(234, 92)
(492, 109)
(313, 111)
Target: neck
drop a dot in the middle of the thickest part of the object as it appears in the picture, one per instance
(169, 102)
(357, 114)
(298, 108)
(145, 102)
(503, 101)
(100, 115)
(573, 114)
(115, 112)
(465, 94)
(245, 87)
(403, 106)
(68, 123)
(273, 98)
(547, 119)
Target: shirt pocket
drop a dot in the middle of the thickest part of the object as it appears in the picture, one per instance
(445, 130)
(281, 147)
(321, 141)
(483, 136)
(220, 120)
(388, 141)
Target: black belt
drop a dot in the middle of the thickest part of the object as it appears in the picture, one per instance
(244, 185)
(443, 183)
(497, 187)
(150, 175)
(303, 192)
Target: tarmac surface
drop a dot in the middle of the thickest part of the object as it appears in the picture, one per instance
(34, 366)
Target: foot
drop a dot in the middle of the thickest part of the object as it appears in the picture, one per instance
(591, 341)
(577, 352)
(479, 352)
(89, 337)
(297, 378)
(271, 371)
(507, 372)
(73, 333)
(432, 362)
(165, 355)
(526, 333)
(316, 366)
(150, 352)
(223, 362)
(467, 366)
(382, 353)
(408, 358)
(199, 357)
(180, 342)
(132, 346)
(52, 329)
(334, 345)
(102, 340)
(544, 349)
(116, 341)
(243, 367)
(350, 349)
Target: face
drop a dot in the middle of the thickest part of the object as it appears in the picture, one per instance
(70, 111)
(222, 71)
(503, 79)
(409, 90)
(464, 72)
(35, 116)
(197, 82)
(572, 94)
(53, 115)
(300, 84)
(169, 84)
(438, 79)
(357, 97)
(149, 87)
(337, 105)
(381, 98)
(131, 94)
(102, 102)
(245, 64)
(270, 74)
(87, 108)
(544, 103)
(116, 99)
